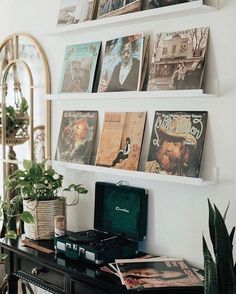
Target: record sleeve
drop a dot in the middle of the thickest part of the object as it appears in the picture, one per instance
(79, 67)
(76, 137)
(154, 273)
(122, 64)
(75, 11)
(176, 143)
(178, 60)
(121, 140)
(107, 8)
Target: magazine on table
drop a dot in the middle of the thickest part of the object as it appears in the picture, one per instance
(121, 140)
(79, 67)
(178, 60)
(76, 136)
(140, 274)
(176, 143)
(107, 8)
(122, 65)
(75, 11)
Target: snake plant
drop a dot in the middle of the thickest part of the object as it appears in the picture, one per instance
(220, 271)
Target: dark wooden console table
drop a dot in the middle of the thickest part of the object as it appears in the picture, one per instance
(58, 274)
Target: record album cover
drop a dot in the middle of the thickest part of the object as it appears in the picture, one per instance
(178, 60)
(108, 8)
(154, 273)
(176, 143)
(122, 64)
(79, 67)
(75, 11)
(121, 140)
(76, 136)
(150, 4)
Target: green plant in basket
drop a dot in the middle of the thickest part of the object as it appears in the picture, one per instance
(35, 182)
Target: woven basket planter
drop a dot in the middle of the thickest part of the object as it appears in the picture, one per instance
(43, 213)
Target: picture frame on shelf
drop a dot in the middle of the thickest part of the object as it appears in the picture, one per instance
(178, 60)
(108, 8)
(75, 11)
(79, 66)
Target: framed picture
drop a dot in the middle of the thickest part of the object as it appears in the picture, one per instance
(75, 11)
(79, 67)
(116, 7)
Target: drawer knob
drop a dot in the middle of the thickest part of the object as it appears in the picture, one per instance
(36, 271)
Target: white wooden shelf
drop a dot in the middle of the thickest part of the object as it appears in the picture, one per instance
(132, 95)
(136, 174)
(137, 17)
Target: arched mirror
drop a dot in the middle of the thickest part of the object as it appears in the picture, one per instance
(25, 114)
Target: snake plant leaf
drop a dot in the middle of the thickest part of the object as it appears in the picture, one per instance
(210, 281)
(232, 236)
(224, 257)
(227, 208)
(211, 223)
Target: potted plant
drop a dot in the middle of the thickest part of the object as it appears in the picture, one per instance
(37, 186)
(220, 271)
(17, 122)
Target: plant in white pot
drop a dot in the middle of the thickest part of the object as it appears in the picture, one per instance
(38, 187)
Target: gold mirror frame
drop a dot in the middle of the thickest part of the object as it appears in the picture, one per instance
(46, 85)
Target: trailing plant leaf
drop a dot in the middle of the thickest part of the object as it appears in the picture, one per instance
(27, 217)
(11, 235)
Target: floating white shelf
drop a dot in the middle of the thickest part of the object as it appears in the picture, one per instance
(139, 16)
(132, 95)
(135, 174)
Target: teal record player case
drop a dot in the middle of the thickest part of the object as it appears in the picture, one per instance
(121, 210)
(120, 221)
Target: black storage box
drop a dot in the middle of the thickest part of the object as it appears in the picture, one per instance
(120, 221)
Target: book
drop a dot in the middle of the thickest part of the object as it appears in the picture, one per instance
(79, 67)
(122, 64)
(121, 140)
(176, 143)
(178, 60)
(155, 273)
(76, 136)
(75, 11)
(150, 4)
(108, 8)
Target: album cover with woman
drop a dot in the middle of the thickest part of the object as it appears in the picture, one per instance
(121, 140)
(79, 67)
(154, 273)
(176, 143)
(76, 136)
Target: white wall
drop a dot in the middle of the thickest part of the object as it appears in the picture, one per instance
(178, 213)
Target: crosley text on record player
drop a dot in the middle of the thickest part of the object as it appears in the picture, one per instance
(120, 219)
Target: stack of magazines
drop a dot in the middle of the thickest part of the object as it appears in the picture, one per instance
(156, 273)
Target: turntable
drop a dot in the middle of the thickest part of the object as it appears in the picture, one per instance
(120, 217)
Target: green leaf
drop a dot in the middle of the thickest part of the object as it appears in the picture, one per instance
(210, 281)
(27, 164)
(3, 256)
(27, 217)
(11, 235)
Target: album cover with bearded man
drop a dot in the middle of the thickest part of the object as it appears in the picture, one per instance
(176, 143)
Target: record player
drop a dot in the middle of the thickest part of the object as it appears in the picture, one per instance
(120, 219)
